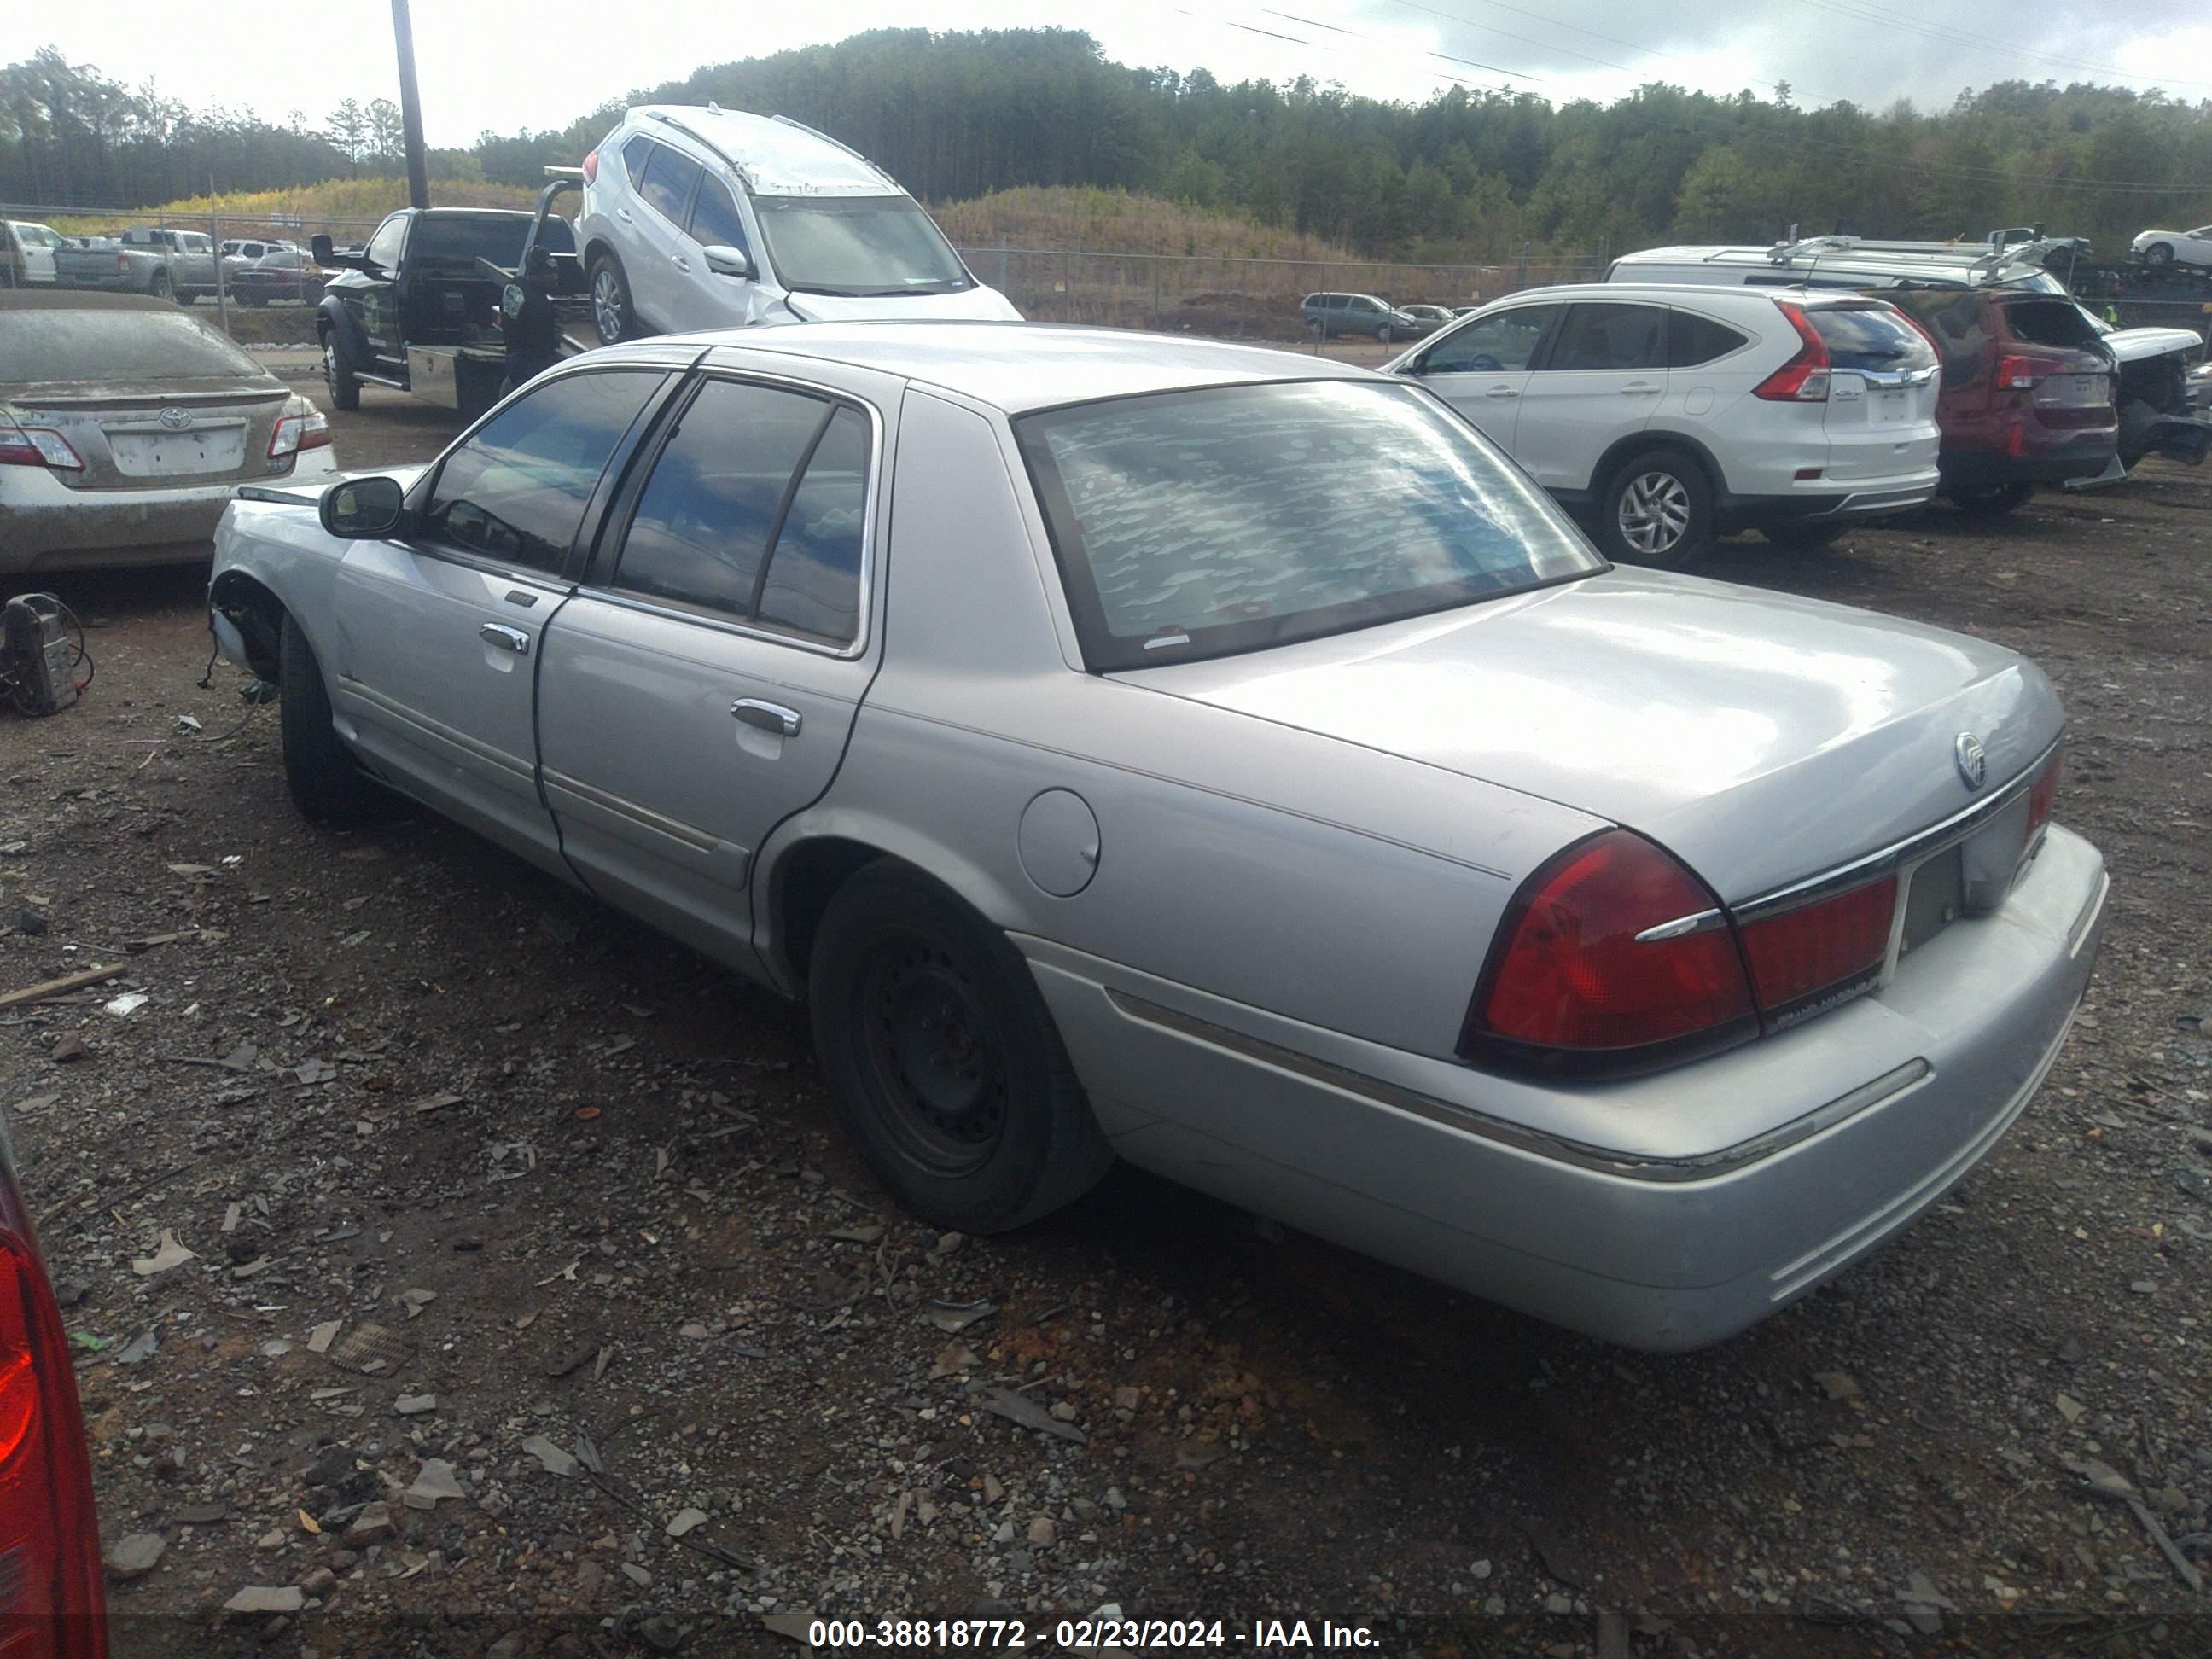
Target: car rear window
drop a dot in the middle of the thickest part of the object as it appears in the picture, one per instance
(117, 345)
(2051, 322)
(1205, 523)
(1861, 337)
(500, 241)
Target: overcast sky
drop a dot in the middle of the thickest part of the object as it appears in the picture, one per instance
(503, 64)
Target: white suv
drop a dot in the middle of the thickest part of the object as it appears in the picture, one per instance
(712, 218)
(1671, 413)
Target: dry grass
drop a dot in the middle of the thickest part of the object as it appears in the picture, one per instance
(341, 206)
(1113, 220)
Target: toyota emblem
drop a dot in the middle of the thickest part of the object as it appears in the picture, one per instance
(1974, 761)
(175, 419)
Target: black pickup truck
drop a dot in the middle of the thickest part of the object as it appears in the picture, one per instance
(417, 308)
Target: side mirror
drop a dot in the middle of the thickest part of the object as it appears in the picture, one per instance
(362, 509)
(321, 246)
(726, 261)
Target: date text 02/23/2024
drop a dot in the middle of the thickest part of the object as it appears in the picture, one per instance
(1257, 1636)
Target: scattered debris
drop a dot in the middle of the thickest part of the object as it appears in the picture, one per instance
(686, 1520)
(126, 1004)
(320, 1339)
(433, 1486)
(1019, 1408)
(54, 987)
(549, 1456)
(267, 1598)
(136, 1555)
(167, 1254)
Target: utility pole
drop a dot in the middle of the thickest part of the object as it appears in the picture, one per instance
(410, 109)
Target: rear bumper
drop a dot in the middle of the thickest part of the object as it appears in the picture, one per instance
(1645, 1237)
(2078, 458)
(45, 526)
(1873, 498)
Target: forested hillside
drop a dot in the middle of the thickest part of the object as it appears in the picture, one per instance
(1464, 175)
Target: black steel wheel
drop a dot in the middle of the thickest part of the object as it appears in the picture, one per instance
(944, 1061)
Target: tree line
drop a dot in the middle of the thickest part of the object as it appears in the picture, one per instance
(1468, 174)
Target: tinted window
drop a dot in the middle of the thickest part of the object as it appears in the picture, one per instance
(636, 155)
(1195, 524)
(666, 186)
(384, 247)
(714, 220)
(133, 347)
(1503, 341)
(461, 241)
(2051, 322)
(1600, 337)
(1863, 338)
(701, 532)
(1691, 339)
(1958, 319)
(516, 490)
(814, 570)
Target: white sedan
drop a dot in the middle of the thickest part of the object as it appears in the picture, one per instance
(2173, 247)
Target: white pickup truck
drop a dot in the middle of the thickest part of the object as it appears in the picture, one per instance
(171, 265)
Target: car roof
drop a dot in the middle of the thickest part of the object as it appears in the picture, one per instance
(772, 155)
(1683, 293)
(1019, 367)
(77, 299)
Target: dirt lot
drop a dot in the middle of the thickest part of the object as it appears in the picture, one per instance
(630, 1354)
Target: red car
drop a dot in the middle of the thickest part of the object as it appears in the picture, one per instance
(52, 1604)
(2027, 395)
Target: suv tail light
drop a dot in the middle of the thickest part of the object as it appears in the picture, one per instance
(1804, 378)
(52, 1601)
(2021, 374)
(1613, 956)
(32, 446)
(591, 167)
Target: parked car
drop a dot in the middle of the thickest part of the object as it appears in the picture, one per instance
(52, 1600)
(2174, 247)
(27, 254)
(125, 424)
(1227, 759)
(167, 264)
(1327, 315)
(2151, 392)
(2027, 393)
(1670, 415)
(1428, 318)
(246, 252)
(282, 274)
(714, 218)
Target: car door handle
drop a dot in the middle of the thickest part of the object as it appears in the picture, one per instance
(768, 716)
(1503, 391)
(506, 638)
(1639, 389)
(622, 214)
(679, 262)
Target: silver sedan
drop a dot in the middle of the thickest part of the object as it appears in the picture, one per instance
(1224, 760)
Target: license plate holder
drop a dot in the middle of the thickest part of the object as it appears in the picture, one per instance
(198, 452)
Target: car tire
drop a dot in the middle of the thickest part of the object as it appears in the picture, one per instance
(614, 315)
(337, 371)
(2159, 253)
(1657, 510)
(157, 287)
(1382, 335)
(1801, 536)
(327, 784)
(1991, 501)
(943, 1060)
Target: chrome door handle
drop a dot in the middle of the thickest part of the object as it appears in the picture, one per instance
(768, 716)
(506, 638)
(679, 262)
(622, 214)
(1502, 392)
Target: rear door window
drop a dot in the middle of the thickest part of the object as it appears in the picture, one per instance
(1693, 340)
(1870, 341)
(516, 490)
(1610, 336)
(666, 186)
(636, 155)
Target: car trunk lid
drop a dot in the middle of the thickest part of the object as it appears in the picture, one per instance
(197, 432)
(1764, 740)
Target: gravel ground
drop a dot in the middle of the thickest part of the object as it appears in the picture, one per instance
(533, 1298)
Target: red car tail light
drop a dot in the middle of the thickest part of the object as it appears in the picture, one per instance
(592, 167)
(1613, 956)
(32, 446)
(297, 432)
(2021, 374)
(1804, 378)
(1802, 959)
(52, 1602)
(2042, 794)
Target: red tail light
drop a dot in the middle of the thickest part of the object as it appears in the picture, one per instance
(2041, 795)
(2019, 373)
(592, 167)
(1801, 959)
(1595, 964)
(297, 432)
(1804, 378)
(52, 1602)
(32, 446)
